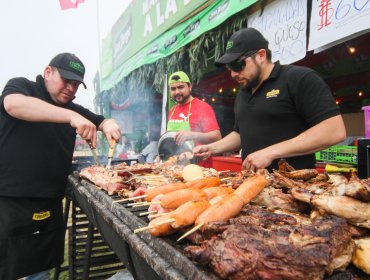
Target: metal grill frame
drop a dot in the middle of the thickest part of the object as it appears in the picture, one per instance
(162, 255)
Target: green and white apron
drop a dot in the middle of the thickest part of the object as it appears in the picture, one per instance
(175, 125)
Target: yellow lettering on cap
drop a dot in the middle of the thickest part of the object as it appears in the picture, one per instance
(41, 216)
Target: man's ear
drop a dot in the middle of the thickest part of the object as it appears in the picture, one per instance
(47, 72)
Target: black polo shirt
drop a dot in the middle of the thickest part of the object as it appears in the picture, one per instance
(36, 157)
(290, 101)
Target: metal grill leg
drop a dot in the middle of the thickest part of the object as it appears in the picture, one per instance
(90, 237)
(65, 220)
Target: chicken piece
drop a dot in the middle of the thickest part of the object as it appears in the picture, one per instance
(285, 166)
(276, 199)
(281, 181)
(323, 177)
(302, 174)
(354, 211)
(361, 257)
(358, 189)
(339, 183)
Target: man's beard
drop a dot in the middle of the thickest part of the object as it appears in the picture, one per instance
(182, 100)
(254, 81)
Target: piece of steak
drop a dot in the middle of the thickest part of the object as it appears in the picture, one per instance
(264, 245)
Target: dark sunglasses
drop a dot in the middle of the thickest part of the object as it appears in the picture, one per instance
(239, 64)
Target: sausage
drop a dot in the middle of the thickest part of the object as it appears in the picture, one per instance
(151, 193)
(187, 213)
(204, 183)
(223, 210)
(251, 187)
(179, 197)
(216, 191)
(218, 198)
(161, 230)
(157, 207)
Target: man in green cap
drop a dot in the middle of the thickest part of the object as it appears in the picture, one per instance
(192, 118)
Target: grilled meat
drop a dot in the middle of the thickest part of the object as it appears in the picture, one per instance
(277, 199)
(107, 180)
(302, 174)
(264, 245)
(354, 211)
(285, 166)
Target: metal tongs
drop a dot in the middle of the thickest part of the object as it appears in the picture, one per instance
(110, 154)
(93, 151)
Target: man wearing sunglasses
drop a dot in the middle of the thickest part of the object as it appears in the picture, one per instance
(281, 111)
(192, 118)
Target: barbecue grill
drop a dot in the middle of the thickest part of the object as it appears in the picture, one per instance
(145, 256)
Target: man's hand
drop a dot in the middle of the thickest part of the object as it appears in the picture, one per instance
(85, 128)
(111, 131)
(203, 152)
(258, 160)
(183, 136)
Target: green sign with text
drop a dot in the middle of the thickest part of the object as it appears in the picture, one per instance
(116, 64)
(145, 20)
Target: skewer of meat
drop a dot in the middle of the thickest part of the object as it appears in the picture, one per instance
(163, 190)
(223, 210)
(188, 212)
(183, 216)
(176, 198)
(232, 204)
(157, 207)
(172, 199)
(218, 198)
(204, 183)
(216, 191)
(214, 194)
(251, 187)
(158, 227)
(149, 194)
(147, 213)
(196, 184)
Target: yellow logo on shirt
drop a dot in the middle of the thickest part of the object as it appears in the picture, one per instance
(273, 93)
(41, 216)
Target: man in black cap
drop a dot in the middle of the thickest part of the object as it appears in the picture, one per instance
(281, 111)
(38, 127)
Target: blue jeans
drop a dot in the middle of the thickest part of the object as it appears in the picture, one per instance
(43, 275)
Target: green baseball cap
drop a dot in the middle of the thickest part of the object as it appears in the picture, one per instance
(69, 67)
(179, 77)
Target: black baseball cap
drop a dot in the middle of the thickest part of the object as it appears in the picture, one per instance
(242, 41)
(70, 67)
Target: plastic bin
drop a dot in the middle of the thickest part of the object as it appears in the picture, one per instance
(340, 154)
(233, 164)
(367, 120)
